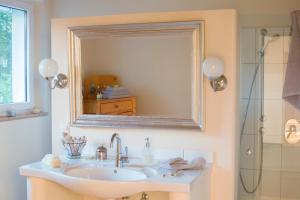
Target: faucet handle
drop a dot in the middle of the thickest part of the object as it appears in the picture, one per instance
(125, 158)
(126, 151)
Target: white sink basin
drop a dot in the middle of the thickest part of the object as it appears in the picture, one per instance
(105, 173)
(104, 181)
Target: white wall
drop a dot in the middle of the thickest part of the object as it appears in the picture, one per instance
(22, 142)
(155, 69)
(220, 127)
(252, 13)
(28, 140)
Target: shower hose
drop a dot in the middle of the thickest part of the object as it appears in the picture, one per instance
(255, 187)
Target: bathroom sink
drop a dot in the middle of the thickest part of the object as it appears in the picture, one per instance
(101, 180)
(105, 173)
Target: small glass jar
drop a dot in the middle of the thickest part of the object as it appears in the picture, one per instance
(101, 153)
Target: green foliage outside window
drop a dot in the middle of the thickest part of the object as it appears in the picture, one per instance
(5, 56)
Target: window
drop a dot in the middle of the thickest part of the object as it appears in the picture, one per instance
(14, 72)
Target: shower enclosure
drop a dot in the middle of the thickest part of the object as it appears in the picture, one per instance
(269, 166)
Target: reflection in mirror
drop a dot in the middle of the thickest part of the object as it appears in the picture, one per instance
(148, 75)
(137, 75)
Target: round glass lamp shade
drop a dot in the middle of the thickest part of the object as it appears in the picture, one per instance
(213, 67)
(48, 68)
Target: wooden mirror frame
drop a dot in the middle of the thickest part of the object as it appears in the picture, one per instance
(76, 34)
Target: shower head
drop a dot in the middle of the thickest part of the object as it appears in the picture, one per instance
(273, 38)
(263, 32)
(267, 40)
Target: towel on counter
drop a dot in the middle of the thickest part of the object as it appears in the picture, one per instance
(181, 164)
(51, 160)
(115, 93)
(291, 89)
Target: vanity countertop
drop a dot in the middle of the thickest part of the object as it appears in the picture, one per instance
(162, 180)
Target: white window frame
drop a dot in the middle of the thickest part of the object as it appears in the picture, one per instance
(24, 106)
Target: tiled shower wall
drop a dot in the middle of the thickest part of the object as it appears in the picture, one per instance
(281, 161)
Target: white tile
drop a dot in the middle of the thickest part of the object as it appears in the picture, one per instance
(273, 117)
(192, 154)
(135, 152)
(286, 44)
(257, 152)
(269, 198)
(273, 81)
(284, 72)
(158, 153)
(282, 198)
(247, 45)
(290, 157)
(270, 185)
(290, 186)
(247, 161)
(90, 148)
(274, 50)
(246, 197)
(273, 139)
(253, 119)
(257, 116)
(164, 153)
(247, 72)
(272, 156)
(249, 123)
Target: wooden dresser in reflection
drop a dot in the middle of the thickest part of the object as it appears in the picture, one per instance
(121, 106)
(92, 105)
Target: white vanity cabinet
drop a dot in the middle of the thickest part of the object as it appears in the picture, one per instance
(45, 183)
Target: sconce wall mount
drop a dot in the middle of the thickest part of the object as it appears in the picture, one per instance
(213, 68)
(60, 81)
(219, 83)
(48, 69)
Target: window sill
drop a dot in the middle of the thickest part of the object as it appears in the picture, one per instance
(22, 116)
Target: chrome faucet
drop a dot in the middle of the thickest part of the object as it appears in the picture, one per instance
(118, 153)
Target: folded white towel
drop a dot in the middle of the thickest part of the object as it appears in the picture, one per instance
(51, 161)
(115, 96)
(181, 164)
(115, 93)
(177, 161)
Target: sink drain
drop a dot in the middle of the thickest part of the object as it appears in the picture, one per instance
(145, 196)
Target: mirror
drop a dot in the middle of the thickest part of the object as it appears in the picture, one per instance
(137, 75)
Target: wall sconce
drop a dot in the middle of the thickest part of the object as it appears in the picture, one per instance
(48, 69)
(213, 68)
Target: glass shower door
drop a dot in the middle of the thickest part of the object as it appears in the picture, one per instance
(280, 166)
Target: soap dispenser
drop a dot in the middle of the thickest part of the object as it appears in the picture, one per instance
(147, 153)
